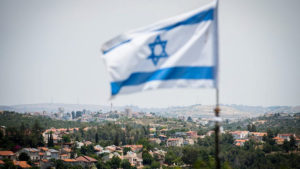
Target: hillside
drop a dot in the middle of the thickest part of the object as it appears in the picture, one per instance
(227, 111)
(12, 119)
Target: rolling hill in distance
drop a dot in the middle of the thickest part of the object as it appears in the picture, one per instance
(197, 110)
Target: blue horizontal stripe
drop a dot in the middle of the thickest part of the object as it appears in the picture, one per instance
(195, 19)
(172, 73)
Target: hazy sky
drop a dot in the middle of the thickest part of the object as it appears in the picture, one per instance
(50, 51)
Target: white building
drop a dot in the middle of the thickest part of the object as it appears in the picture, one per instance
(175, 142)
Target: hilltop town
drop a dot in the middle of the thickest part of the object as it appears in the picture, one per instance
(130, 139)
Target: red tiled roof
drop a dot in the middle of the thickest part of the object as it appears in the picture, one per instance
(22, 164)
(259, 133)
(191, 132)
(239, 132)
(134, 146)
(6, 153)
(1, 162)
(240, 140)
(85, 159)
(277, 138)
(43, 148)
(69, 160)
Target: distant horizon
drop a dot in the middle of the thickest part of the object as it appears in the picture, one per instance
(90, 104)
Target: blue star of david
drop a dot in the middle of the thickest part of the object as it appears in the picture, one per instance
(154, 56)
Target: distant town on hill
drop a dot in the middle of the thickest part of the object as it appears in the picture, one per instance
(197, 110)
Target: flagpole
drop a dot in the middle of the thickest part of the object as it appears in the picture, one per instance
(217, 131)
(217, 108)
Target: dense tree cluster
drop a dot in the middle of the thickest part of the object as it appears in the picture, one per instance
(112, 134)
(23, 136)
(13, 119)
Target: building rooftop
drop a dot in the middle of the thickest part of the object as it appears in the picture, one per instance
(22, 164)
(86, 159)
(69, 160)
(6, 153)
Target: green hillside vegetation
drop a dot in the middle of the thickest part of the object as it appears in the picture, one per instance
(277, 123)
(13, 119)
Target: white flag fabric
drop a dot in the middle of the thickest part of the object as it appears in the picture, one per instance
(178, 52)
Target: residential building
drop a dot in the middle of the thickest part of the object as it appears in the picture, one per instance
(192, 134)
(180, 134)
(86, 161)
(70, 161)
(238, 135)
(163, 138)
(258, 135)
(134, 148)
(240, 142)
(54, 154)
(188, 141)
(33, 153)
(286, 136)
(7, 155)
(155, 140)
(175, 142)
(133, 158)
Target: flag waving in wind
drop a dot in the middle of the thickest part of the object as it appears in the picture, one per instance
(178, 52)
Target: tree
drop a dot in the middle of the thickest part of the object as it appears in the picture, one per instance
(146, 144)
(126, 149)
(286, 146)
(190, 155)
(170, 157)
(125, 164)
(50, 140)
(96, 138)
(253, 128)
(270, 133)
(147, 158)
(249, 127)
(227, 138)
(155, 165)
(66, 139)
(24, 157)
(116, 140)
(101, 165)
(292, 143)
(267, 148)
(8, 164)
(36, 129)
(115, 162)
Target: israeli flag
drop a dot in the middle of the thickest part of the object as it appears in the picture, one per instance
(179, 52)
